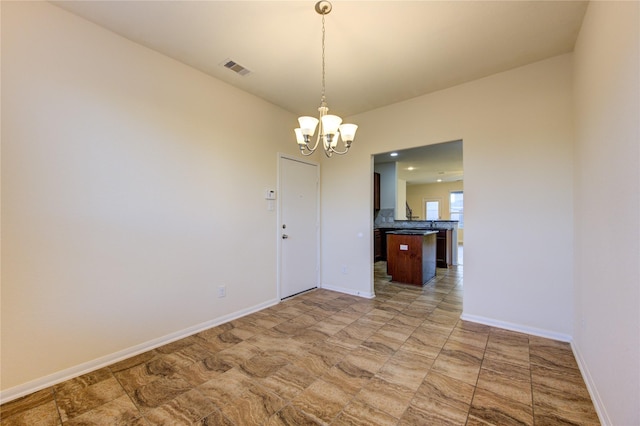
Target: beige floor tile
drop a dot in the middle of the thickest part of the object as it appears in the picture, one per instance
(289, 381)
(357, 413)
(289, 416)
(142, 374)
(321, 401)
(21, 405)
(507, 380)
(444, 389)
(41, 413)
(347, 376)
(263, 365)
(120, 411)
(367, 358)
(74, 403)
(436, 414)
(254, 406)
(406, 368)
(497, 410)
(458, 365)
(159, 392)
(391, 398)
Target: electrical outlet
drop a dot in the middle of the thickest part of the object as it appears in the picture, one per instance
(222, 291)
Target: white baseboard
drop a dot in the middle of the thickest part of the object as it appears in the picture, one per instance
(598, 404)
(366, 294)
(517, 327)
(87, 367)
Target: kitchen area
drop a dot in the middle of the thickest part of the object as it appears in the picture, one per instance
(441, 245)
(414, 242)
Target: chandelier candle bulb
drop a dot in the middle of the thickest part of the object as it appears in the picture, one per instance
(299, 136)
(330, 129)
(334, 140)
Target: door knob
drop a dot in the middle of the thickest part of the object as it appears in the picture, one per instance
(285, 236)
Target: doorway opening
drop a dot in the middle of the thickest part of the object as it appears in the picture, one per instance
(429, 181)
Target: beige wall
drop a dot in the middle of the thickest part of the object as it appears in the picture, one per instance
(401, 199)
(416, 195)
(517, 132)
(126, 177)
(607, 164)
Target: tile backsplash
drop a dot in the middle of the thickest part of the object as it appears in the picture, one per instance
(384, 216)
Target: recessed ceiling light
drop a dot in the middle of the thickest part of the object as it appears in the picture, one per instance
(394, 154)
(438, 180)
(411, 168)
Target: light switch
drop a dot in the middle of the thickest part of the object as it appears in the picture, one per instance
(270, 194)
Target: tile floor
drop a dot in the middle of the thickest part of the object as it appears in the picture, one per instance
(403, 358)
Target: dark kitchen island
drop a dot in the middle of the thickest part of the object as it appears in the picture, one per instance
(411, 256)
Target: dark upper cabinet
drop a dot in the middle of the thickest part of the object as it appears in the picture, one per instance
(376, 191)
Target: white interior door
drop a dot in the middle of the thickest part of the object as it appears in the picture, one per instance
(298, 226)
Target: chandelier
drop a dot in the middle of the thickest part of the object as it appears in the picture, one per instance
(330, 130)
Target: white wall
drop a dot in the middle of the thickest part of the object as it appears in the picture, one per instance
(388, 178)
(401, 200)
(125, 179)
(606, 192)
(517, 133)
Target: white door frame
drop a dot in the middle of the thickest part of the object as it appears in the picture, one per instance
(279, 220)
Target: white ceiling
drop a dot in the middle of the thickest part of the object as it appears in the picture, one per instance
(427, 164)
(377, 52)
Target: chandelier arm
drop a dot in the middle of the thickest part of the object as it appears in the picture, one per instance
(315, 145)
(335, 151)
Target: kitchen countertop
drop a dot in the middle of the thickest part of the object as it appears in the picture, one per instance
(413, 232)
(418, 224)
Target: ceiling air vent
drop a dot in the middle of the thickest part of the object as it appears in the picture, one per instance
(235, 67)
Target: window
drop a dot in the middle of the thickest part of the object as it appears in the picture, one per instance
(456, 208)
(432, 210)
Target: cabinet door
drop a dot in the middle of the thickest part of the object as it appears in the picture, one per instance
(383, 243)
(376, 191)
(404, 258)
(443, 248)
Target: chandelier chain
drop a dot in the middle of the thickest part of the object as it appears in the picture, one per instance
(323, 67)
